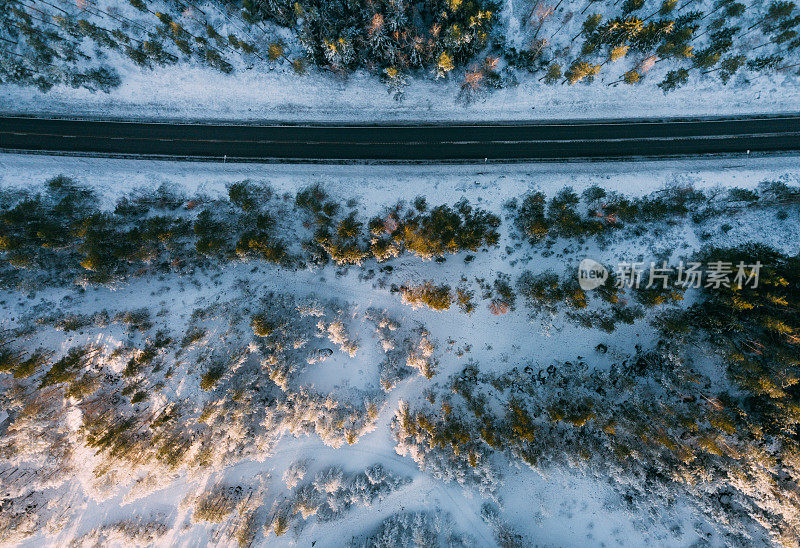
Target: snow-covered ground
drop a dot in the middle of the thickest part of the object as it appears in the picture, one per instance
(182, 93)
(562, 506)
(376, 185)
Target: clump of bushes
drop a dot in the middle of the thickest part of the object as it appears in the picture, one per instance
(754, 329)
(337, 239)
(344, 243)
(248, 196)
(210, 234)
(425, 232)
(597, 211)
(435, 232)
(19, 363)
(464, 296)
(140, 360)
(501, 295)
(530, 218)
(262, 326)
(259, 242)
(136, 320)
(217, 503)
(435, 297)
(192, 335)
(546, 291)
(67, 368)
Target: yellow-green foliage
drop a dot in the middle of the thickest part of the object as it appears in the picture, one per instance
(435, 297)
(262, 326)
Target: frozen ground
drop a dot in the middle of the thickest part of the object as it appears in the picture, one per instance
(488, 185)
(181, 93)
(562, 506)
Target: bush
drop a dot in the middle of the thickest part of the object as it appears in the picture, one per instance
(242, 195)
(262, 246)
(464, 300)
(16, 363)
(446, 230)
(66, 369)
(193, 335)
(312, 198)
(210, 234)
(541, 291)
(562, 213)
(344, 244)
(435, 297)
(210, 377)
(503, 298)
(262, 327)
(530, 218)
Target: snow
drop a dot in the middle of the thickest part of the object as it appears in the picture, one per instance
(489, 185)
(181, 93)
(565, 507)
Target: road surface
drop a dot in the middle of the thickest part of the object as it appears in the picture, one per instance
(405, 142)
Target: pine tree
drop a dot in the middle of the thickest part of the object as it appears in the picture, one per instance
(589, 25)
(617, 53)
(631, 77)
(674, 79)
(667, 7)
(444, 64)
(554, 73)
(581, 70)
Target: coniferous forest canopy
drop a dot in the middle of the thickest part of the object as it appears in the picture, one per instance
(469, 42)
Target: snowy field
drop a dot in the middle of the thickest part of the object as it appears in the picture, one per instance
(299, 473)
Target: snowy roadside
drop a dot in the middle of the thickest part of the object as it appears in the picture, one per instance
(489, 185)
(182, 93)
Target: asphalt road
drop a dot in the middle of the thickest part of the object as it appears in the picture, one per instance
(405, 142)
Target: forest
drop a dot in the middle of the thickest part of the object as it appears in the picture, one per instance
(47, 43)
(705, 408)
